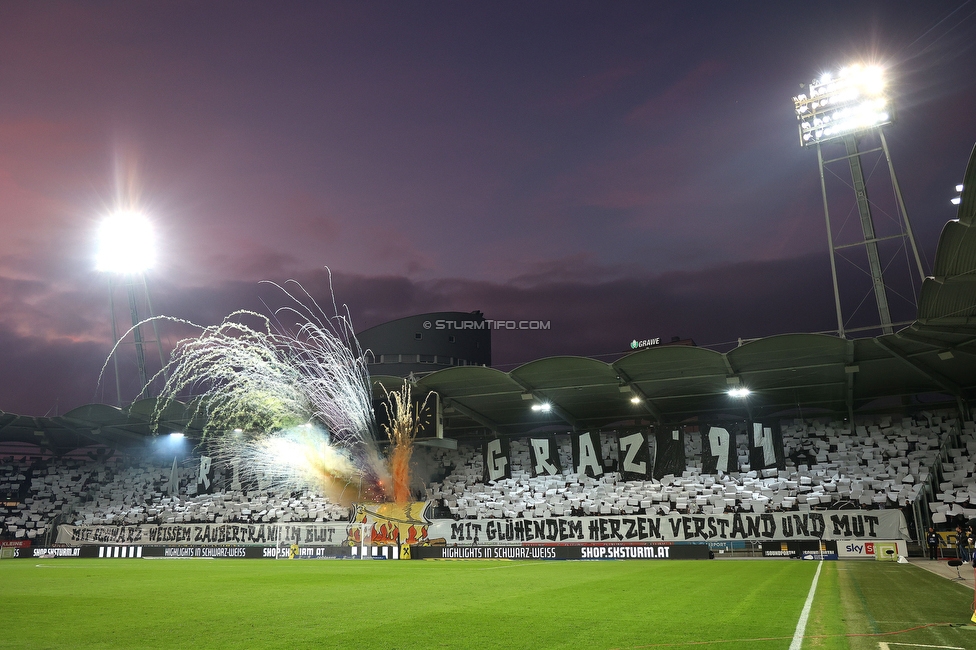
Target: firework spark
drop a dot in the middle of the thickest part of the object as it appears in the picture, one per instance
(405, 418)
(300, 397)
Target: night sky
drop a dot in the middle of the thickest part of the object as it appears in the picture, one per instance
(621, 169)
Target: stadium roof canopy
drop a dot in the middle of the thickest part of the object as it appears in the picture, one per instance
(810, 374)
(98, 424)
(931, 361)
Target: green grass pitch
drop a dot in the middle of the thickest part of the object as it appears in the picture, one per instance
(252, 604)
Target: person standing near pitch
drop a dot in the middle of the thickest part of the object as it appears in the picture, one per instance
(961, 543)
(933, 540)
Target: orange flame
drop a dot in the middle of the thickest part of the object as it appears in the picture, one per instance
(385, 535)
(400, 469)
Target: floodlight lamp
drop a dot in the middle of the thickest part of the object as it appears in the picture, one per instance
(956, 200)
(959, 187)
(125, 243)
(238, 431)
(176, 435)
(635, 400)
(852, 100)
(545, 407)
(872, 78)
(739, 392)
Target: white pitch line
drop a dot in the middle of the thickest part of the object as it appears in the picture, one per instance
(882, 645)
(801, 625)
(65, 566)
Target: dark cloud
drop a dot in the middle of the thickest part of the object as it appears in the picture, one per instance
(621, 170)
(598, 316)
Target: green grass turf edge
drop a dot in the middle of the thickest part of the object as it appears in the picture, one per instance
(867, 599)
(490, 604)
(237, 604)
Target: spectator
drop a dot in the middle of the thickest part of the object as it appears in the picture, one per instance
(962, 548)
(933, 540)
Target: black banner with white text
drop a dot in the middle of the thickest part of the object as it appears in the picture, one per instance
(718, 451)
(766, 446)
(587, 455)
(545, 456)
(497, 460)
(633, 457)
(204, 534)
(828, 524)
(669, 457)
(205, 477)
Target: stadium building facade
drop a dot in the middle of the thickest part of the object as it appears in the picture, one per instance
(418, 345)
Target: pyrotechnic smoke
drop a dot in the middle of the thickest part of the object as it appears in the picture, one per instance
(301, 398)
(296, 459)
(405, 421)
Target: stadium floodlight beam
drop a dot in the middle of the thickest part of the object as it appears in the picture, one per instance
(840, 107)
(837, 105)
(739, 392)
(125, 243)
(125, 248)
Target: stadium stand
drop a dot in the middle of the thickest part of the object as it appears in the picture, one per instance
(881, 465)
(957, 490)
(888, 463)
(119, 491)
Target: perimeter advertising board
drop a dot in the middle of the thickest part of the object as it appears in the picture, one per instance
(564, 552)
(120, 552)
(853, 548)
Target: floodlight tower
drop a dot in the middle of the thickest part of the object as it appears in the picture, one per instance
(125, 249)
(839, 109)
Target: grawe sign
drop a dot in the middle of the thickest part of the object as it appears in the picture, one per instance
(637, 344)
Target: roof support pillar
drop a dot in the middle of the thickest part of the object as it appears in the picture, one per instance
(733, 379)
(850, 369)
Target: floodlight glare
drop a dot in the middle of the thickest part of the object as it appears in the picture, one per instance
(739, 392)
(545, 407)
(176, 435)
(125, 243)
(956, 200)
(959, 188)
(635, 400)
(837, 105)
